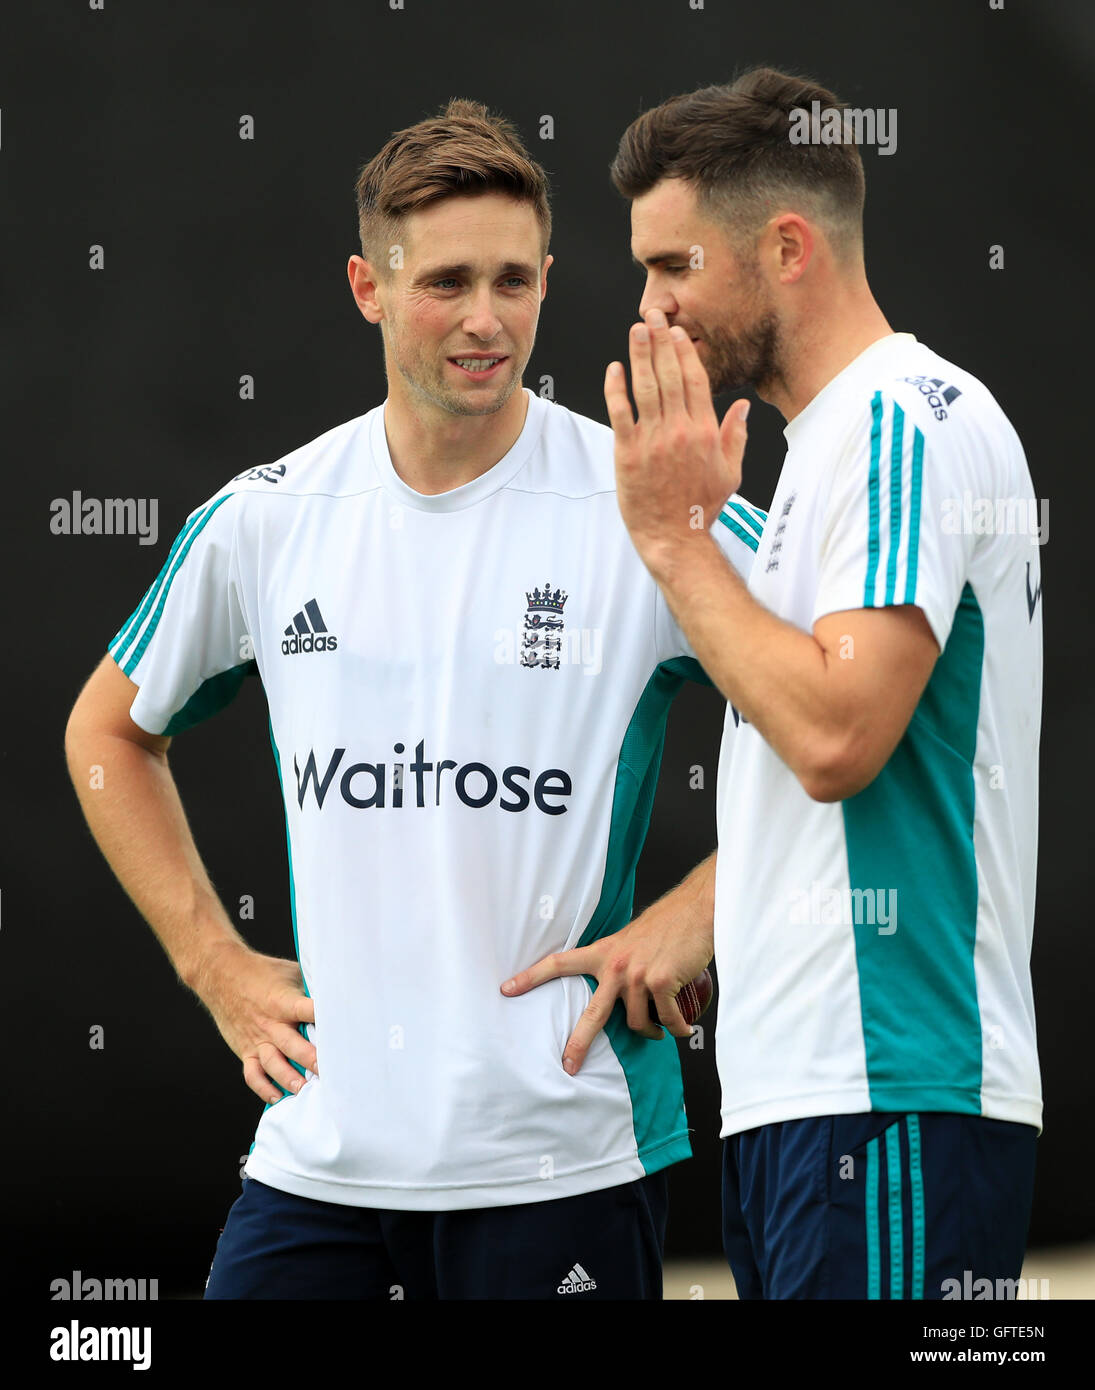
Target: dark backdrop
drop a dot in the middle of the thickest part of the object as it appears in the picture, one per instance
(225, 257)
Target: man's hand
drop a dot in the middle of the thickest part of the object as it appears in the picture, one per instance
(675, 467)
(256, 1002)
(655, 955)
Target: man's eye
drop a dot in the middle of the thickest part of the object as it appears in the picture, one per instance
(516, 280)
(674, 269)
(446, 283)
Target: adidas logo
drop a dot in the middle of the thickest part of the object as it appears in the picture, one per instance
(308, 632)
(577, 1281)
(935, 392)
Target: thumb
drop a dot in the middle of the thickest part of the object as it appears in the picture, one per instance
(732, 436)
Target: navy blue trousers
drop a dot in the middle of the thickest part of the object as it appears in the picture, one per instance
(605, 1244)
(876, 1205)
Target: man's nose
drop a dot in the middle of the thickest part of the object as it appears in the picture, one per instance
(656, 297)
(481, 320)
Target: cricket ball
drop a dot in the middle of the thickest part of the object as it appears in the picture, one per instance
(693, 1000)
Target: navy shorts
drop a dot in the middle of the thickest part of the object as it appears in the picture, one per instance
(605, 1244)
(876, 1205)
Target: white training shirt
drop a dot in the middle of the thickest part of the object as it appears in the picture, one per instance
(874, 953)
(467, 699)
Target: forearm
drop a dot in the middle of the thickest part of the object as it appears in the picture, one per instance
(779, 677)
(139, 823)
(690, 906)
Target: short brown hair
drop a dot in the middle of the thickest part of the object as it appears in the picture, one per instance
(463, 150)
(732, 143)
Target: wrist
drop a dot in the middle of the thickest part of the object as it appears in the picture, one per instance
(669, 557)
(199, 967)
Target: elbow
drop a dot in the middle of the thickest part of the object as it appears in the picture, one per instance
(72, 734)
(837, 771)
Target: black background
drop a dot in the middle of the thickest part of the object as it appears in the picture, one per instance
(224, 257)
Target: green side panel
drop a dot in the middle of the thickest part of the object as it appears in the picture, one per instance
(911, 831)
(211, 697)
(652, 1068)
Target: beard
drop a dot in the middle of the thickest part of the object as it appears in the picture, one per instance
(426, 379)
(428, 385)
(753, 357)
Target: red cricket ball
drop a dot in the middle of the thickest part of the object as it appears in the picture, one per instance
(692, 1000)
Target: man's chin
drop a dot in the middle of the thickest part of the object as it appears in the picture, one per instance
(480, 401)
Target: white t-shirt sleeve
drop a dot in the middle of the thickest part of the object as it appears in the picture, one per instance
(883, 541)
(737, 531)
(186, 645)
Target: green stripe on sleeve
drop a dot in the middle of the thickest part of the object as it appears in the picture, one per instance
(157, 612)
(129, 628)
(747, 516)
(896, 445)
(914, 517)
(872, 501)
(742, 534)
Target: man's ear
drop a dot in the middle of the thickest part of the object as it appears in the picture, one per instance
(365, 284)
(543, 277)
(792, 241)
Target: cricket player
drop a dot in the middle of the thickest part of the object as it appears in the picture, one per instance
(877, 802)
(468, 670)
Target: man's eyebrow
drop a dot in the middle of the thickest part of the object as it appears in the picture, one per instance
(443, 270)
(658, 258)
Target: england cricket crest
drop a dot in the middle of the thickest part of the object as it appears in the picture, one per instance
(542, 642)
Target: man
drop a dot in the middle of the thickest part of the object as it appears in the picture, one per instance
(468, 671)
(878, 816)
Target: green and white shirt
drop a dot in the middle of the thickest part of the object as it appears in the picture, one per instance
(874, 954)
(467, 697)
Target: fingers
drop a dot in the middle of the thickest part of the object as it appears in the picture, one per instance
(665, 361)
(668, 1011)
(696, 383)
(644, 384)
(575, 962)
(667, 376)
(619, 403)
(636, 1000)
(265, 1066)
(292, 1043)
(593, 1019)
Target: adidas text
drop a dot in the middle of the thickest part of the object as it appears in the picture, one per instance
(320, 642)
(577, 1281)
